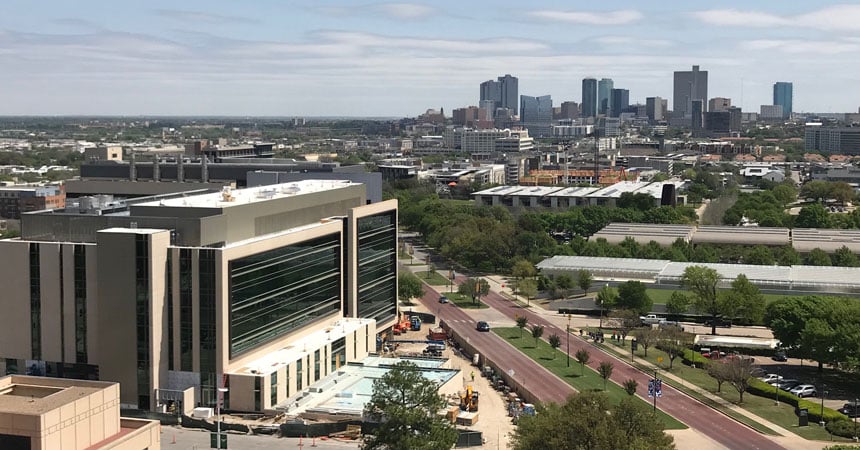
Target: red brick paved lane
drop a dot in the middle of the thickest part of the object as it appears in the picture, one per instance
(490, 345)
(696, 415)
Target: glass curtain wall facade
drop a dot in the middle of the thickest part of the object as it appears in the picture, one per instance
(276, 292)
(377, 266)
(186, 308)
(80, 275)
(142, 322)
(206, 283)
(35, 303)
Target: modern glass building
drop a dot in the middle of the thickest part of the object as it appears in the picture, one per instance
(589, 97)
(604, 92)
(536, 114)
(176, 296)
(783, 93)
(503, 92)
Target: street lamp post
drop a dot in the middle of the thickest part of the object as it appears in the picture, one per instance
(221, 391)
(600, 302)
(823, 394)
(568, 340)
(776, 391)
(855, 419)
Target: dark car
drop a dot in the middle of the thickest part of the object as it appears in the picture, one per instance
(443, 299)
(850, 409)
(482, 326)
(779, 356)
(787, 384)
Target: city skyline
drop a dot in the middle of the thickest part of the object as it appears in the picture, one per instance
(398, 59)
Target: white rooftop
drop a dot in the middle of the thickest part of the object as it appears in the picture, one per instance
(232, 197)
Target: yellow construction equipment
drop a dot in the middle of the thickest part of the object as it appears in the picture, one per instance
(469, 400)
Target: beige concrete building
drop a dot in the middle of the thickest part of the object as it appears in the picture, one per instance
(39, 413)
(179, 295)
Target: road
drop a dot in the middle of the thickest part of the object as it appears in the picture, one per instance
(549, 388)
(526, 372)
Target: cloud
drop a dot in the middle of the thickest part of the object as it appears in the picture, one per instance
(406, 11)
(204, 17)
(620, 17)
(797, 46)
(628, 40)
(831, 18)
(447, 46)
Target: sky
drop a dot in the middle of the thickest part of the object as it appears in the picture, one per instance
(356, 58)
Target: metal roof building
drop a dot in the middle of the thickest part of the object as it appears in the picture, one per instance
(711, 234)
(616, 232)
(661, 271)
(805, 240)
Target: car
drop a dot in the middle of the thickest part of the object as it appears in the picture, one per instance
(850, 409)
(779, 356)
(482, 326)
(443, 299)
(771, 377)
(713, 354)
(787, 384)
(804, 390)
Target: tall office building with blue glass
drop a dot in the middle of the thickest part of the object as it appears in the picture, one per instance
(783, 95)
(589, 97)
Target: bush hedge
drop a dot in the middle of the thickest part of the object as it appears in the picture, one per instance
(841, 427)
(762, 389)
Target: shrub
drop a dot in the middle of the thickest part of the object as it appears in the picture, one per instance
(842, 427)
(762, 389)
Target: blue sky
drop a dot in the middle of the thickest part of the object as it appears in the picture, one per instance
(326, 58)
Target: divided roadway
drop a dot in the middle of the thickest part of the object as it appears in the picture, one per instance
(549, 388)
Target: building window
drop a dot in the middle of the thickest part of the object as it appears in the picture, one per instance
(299, 373)
(142, 310)
(279, 291)
(80, 275)
(273, 389)
(377, 266)
(338, 354)
(186, 330)
(168, 283)
(258, 393)
(206, 283)
(317, 365)
(35, 303)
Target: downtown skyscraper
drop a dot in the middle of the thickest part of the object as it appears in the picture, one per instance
(604, 92)
(589, 97)
(688, 86)
(504, 92)
(783, 93)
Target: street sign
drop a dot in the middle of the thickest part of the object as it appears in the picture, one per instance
(650, 388)
(659, 387)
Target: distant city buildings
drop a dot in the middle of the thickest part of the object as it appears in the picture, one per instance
(844, 140)
(719, 104)
(771, 112)
(620, 100)
(536, 114)
(604, 95)
(783, 96)
(688, 86)
(503, 92)
(569, 110)
(655, 109)
(589, 97)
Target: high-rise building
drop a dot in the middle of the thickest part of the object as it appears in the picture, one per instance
(697, 116)
(589, 97)
(688, 86)
(536, 114)
(654, 109)
(771, 112)
(719, 104)
(619, 100)
(783, 93)
(604, 92)
(503, 92)
(843, 140)
(569, 110)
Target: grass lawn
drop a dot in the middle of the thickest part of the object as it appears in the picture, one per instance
(432, 278)
(661, 296)
(464, 301)
(763, 407)
(556, 362)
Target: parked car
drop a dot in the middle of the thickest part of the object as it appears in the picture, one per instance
(787, 385)
(771, 377)
(804, 390)
(713, 354)
(741, 357)
(850, 409)
(482, 326)
(779, 356)
(443, 299)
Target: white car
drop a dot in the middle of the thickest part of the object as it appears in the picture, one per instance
(804, 390)
(771, 378)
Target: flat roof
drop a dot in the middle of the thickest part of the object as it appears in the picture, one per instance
(301, 347)
(30, 395)
(644, 233)
(619, 188)
(741, 235)
(574, 192)
(233, 197)
(535, 191)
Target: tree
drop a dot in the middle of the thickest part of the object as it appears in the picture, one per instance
(522, 321)
(605, 371)
(537, 332)
(842, 192)
(565, 283)
(678, 303)
(717, 370)
(607, 296)
(744, 301)
(528, 288)
(818, 257)
(630, 386)
(739, 371)
(584, 280)
(759, 255)
(646, 337)
(632, 295)
(554, 343)
(523, 269)
(406, 405)
(625, 321)
(816, 190)
(589, 421)
(674, 341)
(702, 282)
(844, 257)
(409, 287)
(582, 356)
(813, 216)
(785, 193)
(474, 288)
